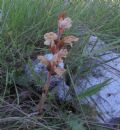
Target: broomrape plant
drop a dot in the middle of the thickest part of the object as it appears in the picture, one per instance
(57, 46)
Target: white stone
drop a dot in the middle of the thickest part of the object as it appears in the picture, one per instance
(108, 99)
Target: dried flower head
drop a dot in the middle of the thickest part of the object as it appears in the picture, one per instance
(50, 38)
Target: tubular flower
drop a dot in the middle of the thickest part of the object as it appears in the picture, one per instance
(70, 39)
(50, 38)
(57, 58)
(65, 23)
(63, 53)
(53, 64)
(43, 60)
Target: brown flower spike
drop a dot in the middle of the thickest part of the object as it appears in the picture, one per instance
(56, 45)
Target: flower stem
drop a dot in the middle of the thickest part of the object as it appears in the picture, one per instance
(44, 94)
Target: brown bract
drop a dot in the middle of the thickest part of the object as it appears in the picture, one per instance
(70, 39)
(53, 48)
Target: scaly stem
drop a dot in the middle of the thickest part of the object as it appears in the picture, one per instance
(59, 34)
(44, 94)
